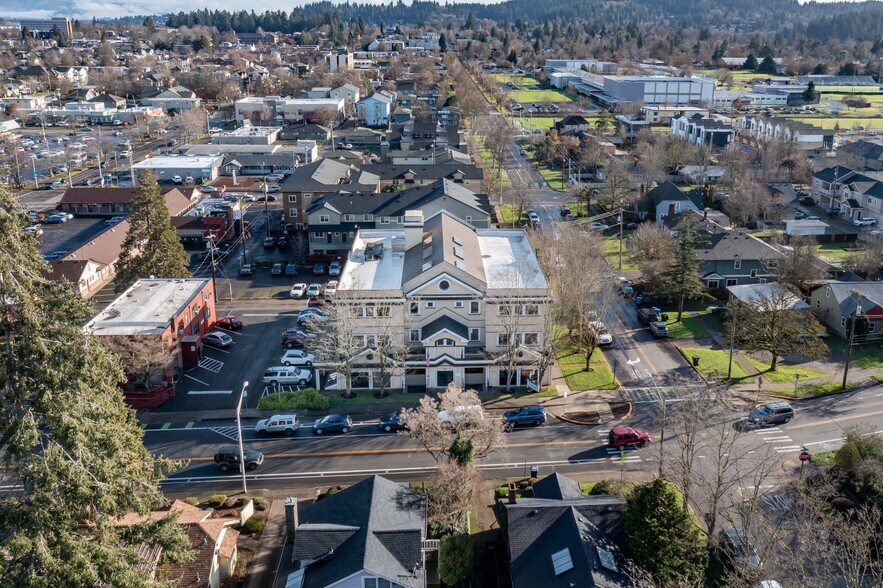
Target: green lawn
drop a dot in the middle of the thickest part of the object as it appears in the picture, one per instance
(845, 123)
(878, 377)
(367, 397)
(834, 253)
(784, 374)
(867, 358)
(544, 123)
(520, 80)
(690, 327)
(811, 390)
(538, 96)
(507, 211)
(713, 362)
(599, 378)
(487, 161)
(611, 253)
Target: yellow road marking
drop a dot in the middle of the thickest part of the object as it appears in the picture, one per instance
(836, 420)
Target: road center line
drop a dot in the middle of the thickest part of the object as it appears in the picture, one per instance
(836, 420)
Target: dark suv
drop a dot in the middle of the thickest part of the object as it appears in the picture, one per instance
(773, 413)
(649, 315)
(227, 458)
(526, 415)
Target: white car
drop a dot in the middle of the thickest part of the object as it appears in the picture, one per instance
(278, 423)
(314, 290)
(462, 414)
(177, 179)
(596, 226)
(604, 336)
(274, 178)
(331, 288)
(32, 230)
(218, 339)
(274, 188)
(297, 357)
(334, 268)
(286, 376)
(864, 222)
(298, 291)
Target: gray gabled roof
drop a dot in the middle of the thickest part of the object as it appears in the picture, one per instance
(843, 293)
(389, 521)
(557, 487)
(733, 245)
(445, 323)
(667, 191)
(865, 149)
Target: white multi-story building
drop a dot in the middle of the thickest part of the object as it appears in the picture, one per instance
(467, 306)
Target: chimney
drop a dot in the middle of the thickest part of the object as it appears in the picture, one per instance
(290, 517)
(511, 496)
(384, 151)
(413, 228)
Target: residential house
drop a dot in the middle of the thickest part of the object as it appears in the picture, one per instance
(835, 303)
(862, 154)
(109, 100)
(698, 130)
(403, 176)
(754, 130)
(375, 110)
(75, 74)
(257, 165)
(179, 312)
(93, 265)
(370, 535)
(770, 295)
(858, 194)
(572, 123)
(311, 182)
(117, 201)
(735, 257)
(471, 306)
(662, 115)
(173, 99)
(347, 92)
(319, 92)
(561, 538)
(668, 200)
(213, 541)
(305, 131)
(334, 219)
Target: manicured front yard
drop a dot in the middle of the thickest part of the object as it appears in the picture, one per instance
(811, 390)
(690, 326)
(507, 212)
(784, 374)
(869, 357)
(573, 365)
(713, 363)
(834, 253)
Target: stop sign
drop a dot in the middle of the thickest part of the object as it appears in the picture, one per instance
(804, 456)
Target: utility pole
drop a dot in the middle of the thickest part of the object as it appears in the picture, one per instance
(211, 252)
(267, 207)
(620, 239)
(851, 338)
(242, 231)
(242, 396)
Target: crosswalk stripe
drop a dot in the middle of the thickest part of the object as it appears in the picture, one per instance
(165, 426)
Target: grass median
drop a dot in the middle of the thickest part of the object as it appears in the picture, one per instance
(713, 363)
(598, 377)
(784, 374)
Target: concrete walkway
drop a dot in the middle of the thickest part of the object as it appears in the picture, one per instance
(262, 570)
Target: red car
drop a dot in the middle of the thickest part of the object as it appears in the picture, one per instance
(315, 302)
(229, 322)
(621, 437)
(294, 338)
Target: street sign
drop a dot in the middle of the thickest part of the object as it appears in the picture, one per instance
(804, 456)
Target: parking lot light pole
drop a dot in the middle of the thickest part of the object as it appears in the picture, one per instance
(239, 435)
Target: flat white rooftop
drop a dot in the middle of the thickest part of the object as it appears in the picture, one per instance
(362, 273)
(146, 307)
(181, 161)
(509, 260)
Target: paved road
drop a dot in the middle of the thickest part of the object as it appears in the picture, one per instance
(305, 460)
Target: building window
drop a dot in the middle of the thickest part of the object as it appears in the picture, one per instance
(368, 311)
(731, 282)
(368, 217)
(737, 264)
(818, 303)
(414, 335)
(842, 321)
(504, 310)
(349, 218)
(531, 309)
(458, 304)
(430, 305)
(414, 308)
(828, 292)
(308, 195)
(531, 338)
(292, 213)
(474, 307)
(319, 235)
(445, 343)
(469, 219)
(444, 285)
(872, 327)
(324, 218)
(753, 273)
(502, 339)
(292, 198)
(384, 220)
(713, 284)
(474, 334)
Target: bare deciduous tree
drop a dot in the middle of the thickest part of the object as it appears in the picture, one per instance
(145, 359)
(336, 345)
(799, 265)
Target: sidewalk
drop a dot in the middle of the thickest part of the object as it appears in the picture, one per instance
(262, 569)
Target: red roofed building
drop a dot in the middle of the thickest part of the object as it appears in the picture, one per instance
(117, 201)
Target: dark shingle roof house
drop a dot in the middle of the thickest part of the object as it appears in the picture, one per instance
(374, 529)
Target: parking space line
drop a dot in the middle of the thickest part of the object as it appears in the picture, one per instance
(230, 331)
(207, 392)
(143, 426)
(189, 425)
(196, 380)
(165, 426)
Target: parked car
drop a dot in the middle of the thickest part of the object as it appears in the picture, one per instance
(246, 270)
(274, 189)
(463, 413)
(772, 413)
(604, 336)
(864, 222)
(813, 217)
(277, 269)
(177, 179)
(334, 268)
(799, 215)
(526, 415)
(55, 219)
(319, 317)
(315, 302)
(274, 178)
(32, 230)
(620, 437)
(596, 226)
(230, 321)
(295, 338)
(227, 458)
(208, 189)
(297, 357)
(737, 549)
(314, 290)
(659, 329)
(333, 423)
(298, 290)
(291, 269)
(280, 375)
(533, 217)
(269, 242)
(649, 315)
(282, 242)
(218, 339)
(391, 422)
(319, 269)
(278, 423)
(331, 288)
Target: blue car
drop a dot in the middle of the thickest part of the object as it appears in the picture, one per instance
(333, 423)
(392, 422)
(526, 415)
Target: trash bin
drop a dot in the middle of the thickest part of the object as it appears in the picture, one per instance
(534, 472)
(695, 360)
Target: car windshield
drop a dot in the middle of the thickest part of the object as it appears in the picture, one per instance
(328, 419)
(762, 410)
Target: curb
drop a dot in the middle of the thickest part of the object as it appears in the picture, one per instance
(587, 424)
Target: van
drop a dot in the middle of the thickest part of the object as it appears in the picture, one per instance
(278, 423)
(286, 376)
(772, 413)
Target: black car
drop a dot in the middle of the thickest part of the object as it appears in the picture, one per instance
(526, 415)
(772, 413)
(227, 458)
(269, 242)
(392, 422)
(333, 423)
(282, 242)
(319, 269)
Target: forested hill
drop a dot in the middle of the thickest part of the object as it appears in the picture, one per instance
(824, 19)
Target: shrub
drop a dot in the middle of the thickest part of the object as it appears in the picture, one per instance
(253, 525)
(455, 559)
(608, 487)
(217, 500)
(260, 503)
(192, 500)
(306, 399)
(847, 457)
(234, 502)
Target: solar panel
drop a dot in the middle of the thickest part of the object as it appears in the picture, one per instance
(561, 561)
(607, 560)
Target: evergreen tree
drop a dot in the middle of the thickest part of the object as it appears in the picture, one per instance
(68, 439)
(661, 537)
(151, 247)
(442, 43)
(681, 279)
(809, 95)
(750, 62)
(848, 69)
(820, 69)
(767, 66)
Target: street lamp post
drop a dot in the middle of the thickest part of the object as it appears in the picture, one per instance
(239, 435)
